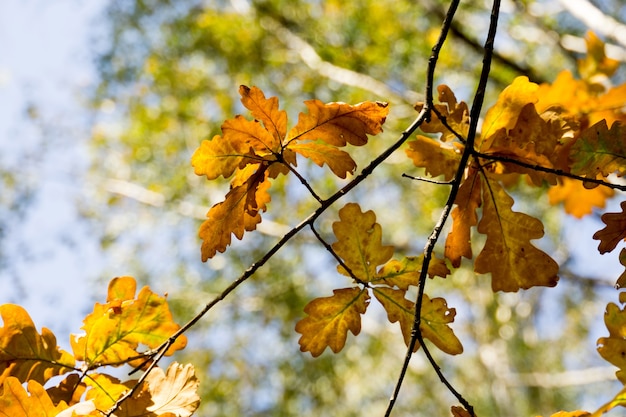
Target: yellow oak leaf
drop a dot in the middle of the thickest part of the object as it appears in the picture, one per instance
(398, 309)
(578, 200)
(330, 318)
(340, 162)
(504, 114)
(104, 390)
(577, 413)
(24, 353)
(621, 281)
(115, 329)
(464, 217)
(437, 158)
(532, 140)
(435, 317)
(456, 116)
(15, 400)
(338, 124)
(404, 273)
(239, 212)
(613, 232)
(613, 347)
(595, 61)
(508, 255)
(359, 242)
(434, 325)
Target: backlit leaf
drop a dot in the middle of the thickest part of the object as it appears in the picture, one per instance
(464, 217)
(338, 124)
(438, 159)
(613, 232)
(398, 309)
(600, 151)
(115, 329)
(15, 401)
(456, 116)
(266, 110)
(577, 413)
(239, 212)
(330, 318)
(578, 200)
(104, 390)
(402, 274)
(340, 162)
(613, 347)
(24, 353)
(175, 391)
(435, 320)
(504, 114)
(508, 255)
(359, 242)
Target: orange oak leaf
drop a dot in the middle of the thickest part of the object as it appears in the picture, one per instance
(359, 242)
(339, 162)
(24, 353)
(260, 149)
(613, 232)
(330, 318)
(578, 200)
(460, 412)
(338, 124)
(464, 217)
(600, 151)
(437, 158)
(239, 212)
(115, 329)
(456, 116)
(508, 255)
(15, 400)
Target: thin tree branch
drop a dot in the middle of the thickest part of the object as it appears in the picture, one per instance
(558, 172)
(415, 332)
(429, 180)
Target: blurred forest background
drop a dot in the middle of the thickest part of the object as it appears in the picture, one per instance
(167, 75)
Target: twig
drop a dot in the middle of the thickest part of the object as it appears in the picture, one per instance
(429, 180)
(554, 171)
(428, 105)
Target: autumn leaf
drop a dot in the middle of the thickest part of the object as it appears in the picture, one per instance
(456, 116)
(435, 318)
(239, 212)
(578, 200)
(464, 217)
(15, 401)
(175, 391)
(595, 61)
(24, 353)
(618, 401)
(261, 149)
(621, 281)
(508, 255)
(398, 309)
(406, 272)
(330, 318)
(460, 412)
(577, 413)
(359, 242)
(613, 232)
(339, 162)
(104, 390)
(600, 151)
(70, 390)
(613, 347)
(437, 158)
(338, 124)
(115, 329)
(505, 113)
